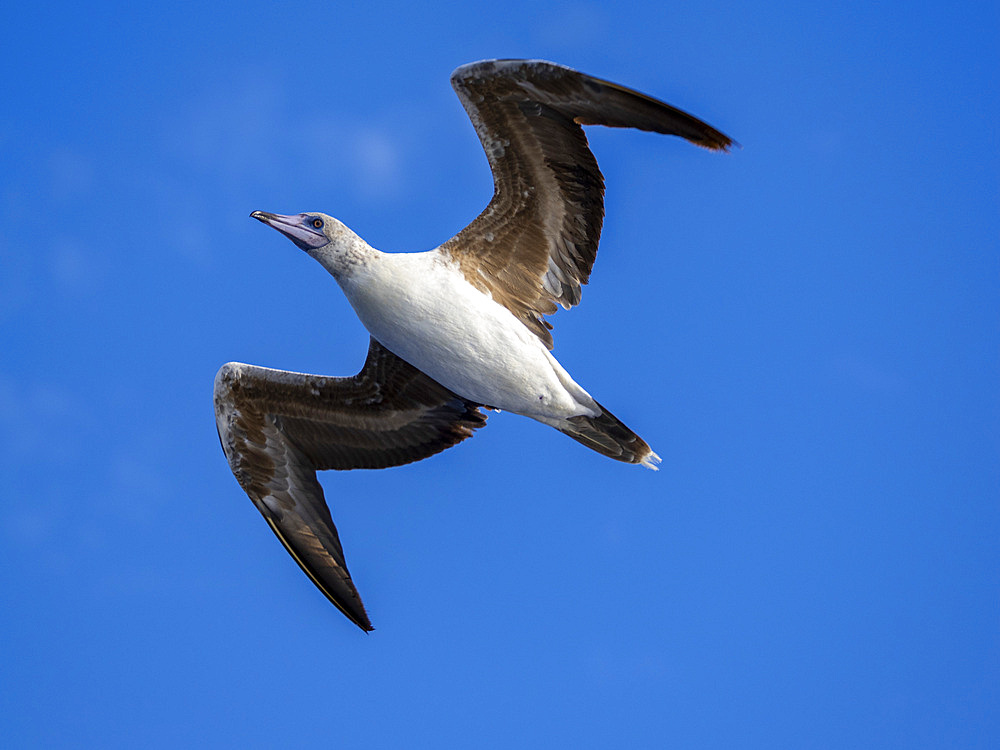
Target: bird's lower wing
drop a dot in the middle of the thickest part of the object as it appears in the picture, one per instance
(278, 428)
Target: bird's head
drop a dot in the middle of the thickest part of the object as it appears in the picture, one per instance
(309, 231)
(327, 240)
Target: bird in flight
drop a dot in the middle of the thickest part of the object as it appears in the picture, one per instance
(454, 329)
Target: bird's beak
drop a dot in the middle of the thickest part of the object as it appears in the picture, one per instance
(298, 228)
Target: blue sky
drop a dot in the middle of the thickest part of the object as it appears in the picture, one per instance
(807, 330)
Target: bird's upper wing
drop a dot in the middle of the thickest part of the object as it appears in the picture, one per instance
(535, 243)
(278, 428)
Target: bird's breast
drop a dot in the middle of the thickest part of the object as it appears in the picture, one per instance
(421, 308)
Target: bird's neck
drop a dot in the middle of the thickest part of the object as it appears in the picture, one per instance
(347, 256)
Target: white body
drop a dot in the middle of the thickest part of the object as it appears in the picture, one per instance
(422, 309)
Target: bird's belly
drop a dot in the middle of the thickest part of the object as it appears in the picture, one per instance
(470, 344)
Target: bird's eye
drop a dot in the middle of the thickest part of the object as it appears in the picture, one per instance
(318, 223)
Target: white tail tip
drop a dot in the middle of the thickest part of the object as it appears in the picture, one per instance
(650, 461)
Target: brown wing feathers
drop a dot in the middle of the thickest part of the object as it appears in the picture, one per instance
(278, 428)
(536, 241)
(388, 414)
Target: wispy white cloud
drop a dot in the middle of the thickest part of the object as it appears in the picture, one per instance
(376, 162)
(14, 293)
(71, 174)
(38, 420)
(251, 127)
(75, 269)
(137, 487)
(231, 127)
(40, 434)
(47, 434)
(250, 135)
(356, 153)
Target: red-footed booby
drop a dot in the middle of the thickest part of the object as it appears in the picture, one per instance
(452, 329)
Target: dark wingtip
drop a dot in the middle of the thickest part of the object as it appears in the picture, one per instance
(702, 134)
(358, 615)
(717, 141)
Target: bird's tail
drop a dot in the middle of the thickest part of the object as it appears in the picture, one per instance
(606, 434)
